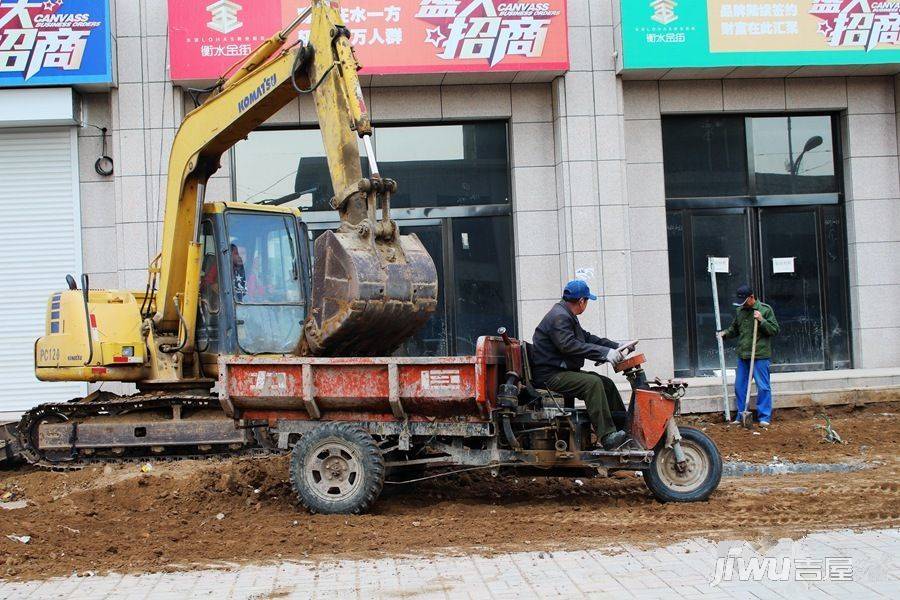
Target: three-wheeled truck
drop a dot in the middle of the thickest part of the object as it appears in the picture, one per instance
(353, 422)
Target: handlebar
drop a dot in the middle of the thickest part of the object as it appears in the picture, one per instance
(502, 333)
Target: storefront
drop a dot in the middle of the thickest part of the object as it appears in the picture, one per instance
(776, 138)
(46, 54)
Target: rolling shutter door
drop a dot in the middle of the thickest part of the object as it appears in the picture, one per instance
(40, 242)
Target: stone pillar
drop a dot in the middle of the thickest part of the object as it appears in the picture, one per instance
(870, 142)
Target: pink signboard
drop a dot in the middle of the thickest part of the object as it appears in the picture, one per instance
(390, 36)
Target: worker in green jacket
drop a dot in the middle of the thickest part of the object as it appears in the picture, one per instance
(749, 310)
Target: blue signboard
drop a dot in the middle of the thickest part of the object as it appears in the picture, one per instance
(55, 42)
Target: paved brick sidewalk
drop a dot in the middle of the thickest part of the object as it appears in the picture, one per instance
(816, 568)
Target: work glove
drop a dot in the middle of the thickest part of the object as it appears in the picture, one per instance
(613, 356)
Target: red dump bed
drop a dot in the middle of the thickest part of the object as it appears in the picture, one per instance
(357, 389)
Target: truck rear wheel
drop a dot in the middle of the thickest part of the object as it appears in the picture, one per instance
(337, 469)
(696, 480)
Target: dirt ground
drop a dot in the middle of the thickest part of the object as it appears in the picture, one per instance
(200, 513)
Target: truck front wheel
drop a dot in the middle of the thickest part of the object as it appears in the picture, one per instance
(691, 482)
(337, 469)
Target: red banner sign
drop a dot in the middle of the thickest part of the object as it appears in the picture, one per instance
(390, 36)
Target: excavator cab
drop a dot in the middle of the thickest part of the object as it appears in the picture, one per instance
(254, 281)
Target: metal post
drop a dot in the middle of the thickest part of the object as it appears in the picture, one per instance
(715, 294)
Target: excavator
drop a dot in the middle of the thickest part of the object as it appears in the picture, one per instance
(233, 278)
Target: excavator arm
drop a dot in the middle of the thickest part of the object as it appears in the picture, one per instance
(366, 276)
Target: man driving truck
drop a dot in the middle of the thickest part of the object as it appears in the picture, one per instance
(560, 347)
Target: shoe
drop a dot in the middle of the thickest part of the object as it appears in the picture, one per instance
(764, 423)
(613, 440)
(736, 422)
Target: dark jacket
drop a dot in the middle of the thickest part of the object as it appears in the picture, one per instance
(742, 328)
(560, 344)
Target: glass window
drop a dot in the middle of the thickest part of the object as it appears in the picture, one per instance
(484, 296)
(265, 272)
(435, 165)
(793, 155)
(677, 287)
(208, 310)
(445, 165)
(704, 156)
(285, 167)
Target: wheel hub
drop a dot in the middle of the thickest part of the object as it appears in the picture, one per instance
(687, 475)
(333, 470)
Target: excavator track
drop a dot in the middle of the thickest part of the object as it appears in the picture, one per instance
(104, 428)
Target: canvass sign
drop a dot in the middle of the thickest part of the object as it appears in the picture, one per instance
(56, 42)
(722, 33)
(389, 36)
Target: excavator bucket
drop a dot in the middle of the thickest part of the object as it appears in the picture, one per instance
(368, 295)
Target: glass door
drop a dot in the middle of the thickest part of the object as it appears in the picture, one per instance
(433, 339)
(791, 283)
(722, 234)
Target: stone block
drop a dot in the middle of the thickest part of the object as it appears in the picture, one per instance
(645, 184)
(872, 177)
(586, 227)
(580, 58)
(531, 103)
(536, 232)
(816, 93)
(131, 159)
(690, 96)
(617, 310)
(614, 227)
(643, 141)
(534, 188)
(579, 93)
(607, 91)
(872, 135)
(615, 273)
(652, 316)
(156, 54)
(871, 303)
(641, 99)
(159, 146)
(529, 144)
(601, 11)
(129, 60)
(648, 228)
(649, 272)
(406, 103)
(604, 48)
(877, 348)
(581, 137)
(583, 177)
(98, 204)
(538, 277)
(873, 220)
(156, 17)
(89, 150)
(754, 94)
(481, 101)
(133, 201)
(869, 95)
(131, 105)
(98, 249)
(610, 181)
(135, 252)
(160, 103)
(128, 18)
(876, 263)
(610, 133)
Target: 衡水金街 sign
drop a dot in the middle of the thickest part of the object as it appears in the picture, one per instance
(56, 42)
(660, 34)
(389, 36)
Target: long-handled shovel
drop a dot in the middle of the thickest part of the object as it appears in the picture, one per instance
(746, 415)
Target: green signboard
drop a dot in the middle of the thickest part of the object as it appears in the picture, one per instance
(671, 34)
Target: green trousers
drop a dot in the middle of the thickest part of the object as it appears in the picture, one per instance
(599, 394)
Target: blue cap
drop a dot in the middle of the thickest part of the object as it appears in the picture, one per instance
(576, 290)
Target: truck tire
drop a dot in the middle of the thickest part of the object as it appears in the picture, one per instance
(700, 478)
(337, 468)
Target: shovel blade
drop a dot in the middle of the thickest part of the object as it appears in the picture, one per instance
(368, 297)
